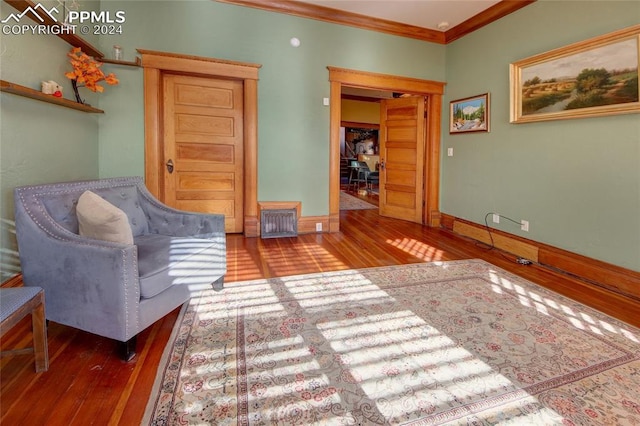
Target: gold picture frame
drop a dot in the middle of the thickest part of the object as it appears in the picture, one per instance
(595, 77)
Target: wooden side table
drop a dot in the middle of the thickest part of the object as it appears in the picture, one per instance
(15, 304)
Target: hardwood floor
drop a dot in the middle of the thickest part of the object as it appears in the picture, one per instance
(88, 384)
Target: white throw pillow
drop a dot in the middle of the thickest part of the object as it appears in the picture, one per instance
(99, 219)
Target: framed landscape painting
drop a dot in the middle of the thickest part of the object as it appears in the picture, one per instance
(595, 77)
(469, 114)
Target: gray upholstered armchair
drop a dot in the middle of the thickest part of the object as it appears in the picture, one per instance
(115, 289)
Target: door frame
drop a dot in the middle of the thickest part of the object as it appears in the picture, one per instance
(431, 90)
(155, 64)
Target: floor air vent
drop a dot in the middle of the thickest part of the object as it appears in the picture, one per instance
(276, 223)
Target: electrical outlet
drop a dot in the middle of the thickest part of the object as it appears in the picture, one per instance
(319, 227)
(524, 225)
(496, 218)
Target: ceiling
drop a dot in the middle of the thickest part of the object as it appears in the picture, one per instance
(420, 13)
(437, 21)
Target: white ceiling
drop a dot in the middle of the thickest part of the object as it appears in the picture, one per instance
(420, 13)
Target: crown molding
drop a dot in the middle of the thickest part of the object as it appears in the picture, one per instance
(495, 12)
(308, 10)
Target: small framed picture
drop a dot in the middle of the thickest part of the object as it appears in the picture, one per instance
(469, 114)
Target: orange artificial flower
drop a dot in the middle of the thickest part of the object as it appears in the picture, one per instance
(87, 72)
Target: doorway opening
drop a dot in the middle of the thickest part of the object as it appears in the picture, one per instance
(429, 164)
(359, 154)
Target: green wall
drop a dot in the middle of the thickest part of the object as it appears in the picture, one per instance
(293, 124)
(39, 142)
(576, 181)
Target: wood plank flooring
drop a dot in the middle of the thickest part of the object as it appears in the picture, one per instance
(88, 384)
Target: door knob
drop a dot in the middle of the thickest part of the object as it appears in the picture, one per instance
(382, 165)
(170, 166)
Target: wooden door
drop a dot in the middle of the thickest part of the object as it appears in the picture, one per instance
(402, 134)
(203, 145)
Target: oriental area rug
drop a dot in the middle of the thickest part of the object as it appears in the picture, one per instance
(460, 342)
(349, 202)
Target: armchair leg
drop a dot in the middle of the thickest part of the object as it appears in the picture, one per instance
(128, 349)
(218, 284)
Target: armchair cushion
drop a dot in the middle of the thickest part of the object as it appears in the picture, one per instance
(164, 261)
(99, 219)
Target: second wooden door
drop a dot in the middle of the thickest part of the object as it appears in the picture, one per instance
(402, 135)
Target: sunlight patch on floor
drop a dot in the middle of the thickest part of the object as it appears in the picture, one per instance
(511, 414)
(344, 287)
(417, 248)
(547, 306)
(407, 352)
(401, 349)
(385, 353)
(298, 258)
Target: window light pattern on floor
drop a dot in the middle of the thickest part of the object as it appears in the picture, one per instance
(416, 344)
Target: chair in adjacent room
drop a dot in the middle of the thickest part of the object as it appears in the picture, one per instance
(373, 181)
(358, 175)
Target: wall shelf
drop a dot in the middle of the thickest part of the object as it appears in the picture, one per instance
(16, 89)
(72, 39)
(135, 63)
